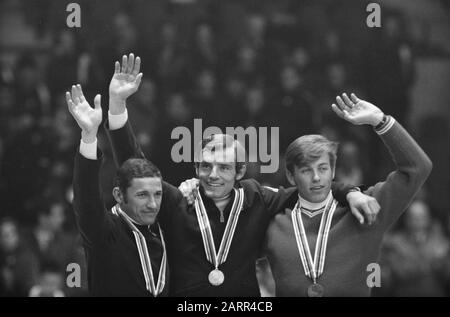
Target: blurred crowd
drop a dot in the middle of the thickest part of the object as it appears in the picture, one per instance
(231, 63)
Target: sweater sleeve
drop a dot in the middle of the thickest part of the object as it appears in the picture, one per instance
(412, 169)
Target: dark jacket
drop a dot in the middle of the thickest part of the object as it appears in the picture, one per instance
(114, 267)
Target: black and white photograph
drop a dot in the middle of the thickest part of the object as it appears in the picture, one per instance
(224, 152)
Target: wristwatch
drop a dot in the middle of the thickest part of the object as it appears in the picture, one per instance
(354, 189)
(382, 122)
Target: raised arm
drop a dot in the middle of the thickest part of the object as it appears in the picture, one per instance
(89, 210)
(125, 82)
(412, 164)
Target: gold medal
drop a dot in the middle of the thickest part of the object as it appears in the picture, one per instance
(216, 277)
(315, 290)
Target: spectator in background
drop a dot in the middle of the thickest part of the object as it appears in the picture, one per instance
(349, 170)
(31, 93)
(63, 62)
(247, 63)
(335, 79)
(49, 241)
(390, 67)
(249, 58)
(144, 112)
(6, 110)
(204, 53)
(176, 113)
(291, 107)
(203, 98)
(50, 282)
(254, 107)
(18, 265)
(26, 154)
(434, 134)
(231, 106)
(256, 26)
(168, 62)
(331, 49)
(417, 255)
(300, 58)
(56, 155)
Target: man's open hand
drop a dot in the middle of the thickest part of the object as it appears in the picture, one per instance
(124, 83)
(357, 111)
(88, 118)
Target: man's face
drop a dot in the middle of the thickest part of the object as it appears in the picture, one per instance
(313, 181)
(144, 197)
(217, 172)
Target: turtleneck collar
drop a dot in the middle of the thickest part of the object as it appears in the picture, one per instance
(305, 204)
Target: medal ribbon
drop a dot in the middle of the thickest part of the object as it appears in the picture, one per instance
(205, 228)
(145, 257)
(313, 268)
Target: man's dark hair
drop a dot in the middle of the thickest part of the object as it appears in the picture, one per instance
(217, 142)
(134, 168)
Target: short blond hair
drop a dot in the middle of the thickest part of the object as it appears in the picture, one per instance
(307, 149)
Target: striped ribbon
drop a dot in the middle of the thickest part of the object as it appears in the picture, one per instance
(144, 256)
(205, 228)
(313, 267)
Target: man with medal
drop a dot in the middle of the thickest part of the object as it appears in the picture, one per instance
(313, 222)
(212, 245)
(125, 248)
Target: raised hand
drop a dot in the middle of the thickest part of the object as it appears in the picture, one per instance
(357, 111)
(124, 83)
(88, 118)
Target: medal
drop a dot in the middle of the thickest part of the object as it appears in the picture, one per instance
(144, 256)
(313, 267)
(216, 277)
(315, 290)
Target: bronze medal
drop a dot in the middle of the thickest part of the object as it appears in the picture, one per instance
(315, 290)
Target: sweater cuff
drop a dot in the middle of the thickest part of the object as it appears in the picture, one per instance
(386, 126)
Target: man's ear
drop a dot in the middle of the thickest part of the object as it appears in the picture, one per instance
(241, 172)
(196, 171)
(290, 177)
(118, 196)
